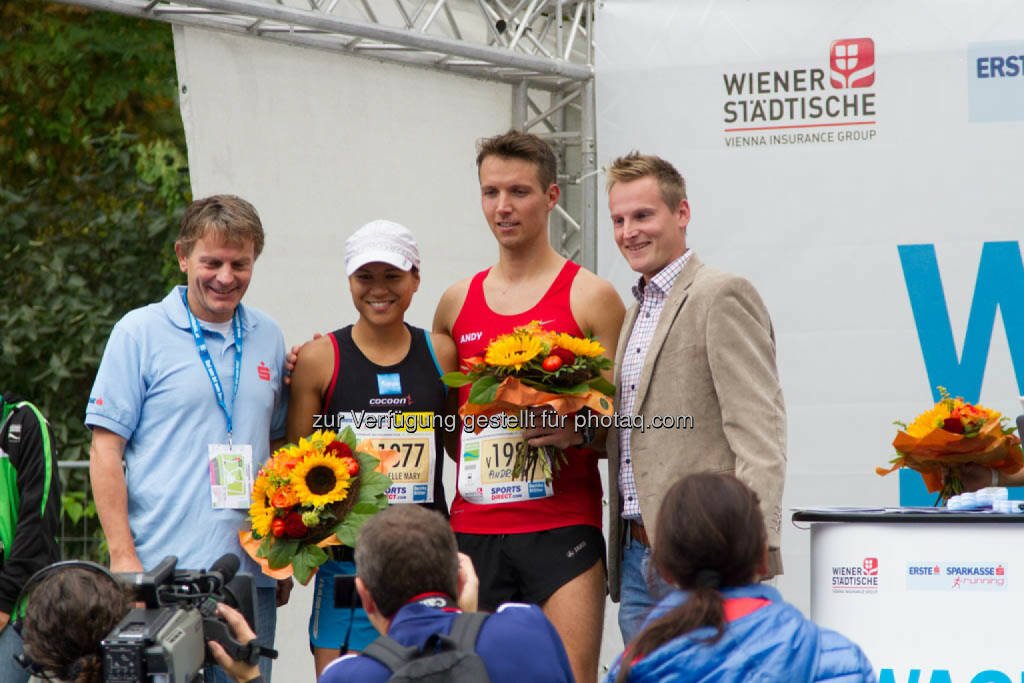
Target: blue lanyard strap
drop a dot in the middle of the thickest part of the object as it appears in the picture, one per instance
(204, 356)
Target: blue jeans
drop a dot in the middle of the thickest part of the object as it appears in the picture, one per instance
(265, 626)
(641, 588)
(10, 645)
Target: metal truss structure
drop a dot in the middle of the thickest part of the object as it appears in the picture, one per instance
(542, 48)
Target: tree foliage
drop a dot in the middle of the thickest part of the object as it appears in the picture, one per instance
(94, 180)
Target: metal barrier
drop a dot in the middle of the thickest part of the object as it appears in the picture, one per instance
(80, 535)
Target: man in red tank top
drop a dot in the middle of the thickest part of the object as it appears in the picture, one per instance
(547, 550)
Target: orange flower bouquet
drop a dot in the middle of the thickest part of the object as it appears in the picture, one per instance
(535, 368)
(310, 496)
(953, 433)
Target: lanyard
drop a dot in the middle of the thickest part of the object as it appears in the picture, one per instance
(204, 356)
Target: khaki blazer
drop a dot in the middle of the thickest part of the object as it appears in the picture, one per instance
(712, 357)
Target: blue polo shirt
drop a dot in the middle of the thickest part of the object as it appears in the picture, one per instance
(151, 388)
(517, 644)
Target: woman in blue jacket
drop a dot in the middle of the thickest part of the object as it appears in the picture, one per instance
(721, 625)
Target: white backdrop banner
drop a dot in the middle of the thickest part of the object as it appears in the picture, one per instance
(321, 143)
(859, 162)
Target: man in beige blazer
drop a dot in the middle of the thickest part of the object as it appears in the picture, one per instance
(697, 344)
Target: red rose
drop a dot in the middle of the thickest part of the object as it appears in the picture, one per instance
(567, 356)
(338, 450)
(953, 424)
(293, 525)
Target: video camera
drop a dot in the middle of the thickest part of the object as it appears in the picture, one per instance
(166, 639)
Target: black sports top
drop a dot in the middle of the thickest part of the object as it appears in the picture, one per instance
(411, 385)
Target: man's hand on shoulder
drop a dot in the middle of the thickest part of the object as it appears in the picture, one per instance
(293, 357)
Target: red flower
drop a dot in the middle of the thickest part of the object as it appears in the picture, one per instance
(338, 450)
(277, 526)
(552, 363)
(567, 356)
(293, 525)
(953, 425)
(353, 466)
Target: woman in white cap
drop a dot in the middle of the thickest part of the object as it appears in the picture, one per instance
(378, 365)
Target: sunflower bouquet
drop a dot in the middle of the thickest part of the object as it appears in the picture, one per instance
(951, 434)
(310, 496)
(535, 368)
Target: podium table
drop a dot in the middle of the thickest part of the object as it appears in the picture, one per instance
(930, 596)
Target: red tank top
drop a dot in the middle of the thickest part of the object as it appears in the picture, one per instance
(577, 486)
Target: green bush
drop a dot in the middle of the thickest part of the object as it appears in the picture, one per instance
(95, 179)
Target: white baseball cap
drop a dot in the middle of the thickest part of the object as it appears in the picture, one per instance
(381, 241)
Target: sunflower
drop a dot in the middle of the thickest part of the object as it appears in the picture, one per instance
(929, 420)
(513, 349)
(320, 480)
(581, 346)
(261, 515)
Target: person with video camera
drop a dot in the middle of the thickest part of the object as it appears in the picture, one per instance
(71, 608)
(70, 613)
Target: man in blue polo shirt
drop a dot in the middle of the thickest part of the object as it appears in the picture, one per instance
(189, 395)
(408, 575)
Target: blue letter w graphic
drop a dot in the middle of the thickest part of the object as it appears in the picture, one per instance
(1000, 283)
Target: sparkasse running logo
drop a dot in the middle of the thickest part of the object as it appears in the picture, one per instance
(852, 62)
(958, 577)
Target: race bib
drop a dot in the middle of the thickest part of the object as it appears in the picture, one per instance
(231, 475)
(486, 467)
(411, 435)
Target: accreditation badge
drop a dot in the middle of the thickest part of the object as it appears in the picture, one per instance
(485, 469)
(411, 436)
(231, 475)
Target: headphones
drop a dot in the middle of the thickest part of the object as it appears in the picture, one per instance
(18, 614)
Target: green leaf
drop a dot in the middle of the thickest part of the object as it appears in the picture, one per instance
(72, 508)
(282, 552)
(308, 558)
(602, 385)
(456, 379)
(365, 508)
(367, 463)
(373, 485)
(484, 390)
(348, 529)
(265, 545)
(348, 437)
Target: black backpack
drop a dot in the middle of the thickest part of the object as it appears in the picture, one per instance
(443, 658)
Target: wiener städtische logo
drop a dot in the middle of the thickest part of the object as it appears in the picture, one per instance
(831, 99)
(852, 63)
(855, 578)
